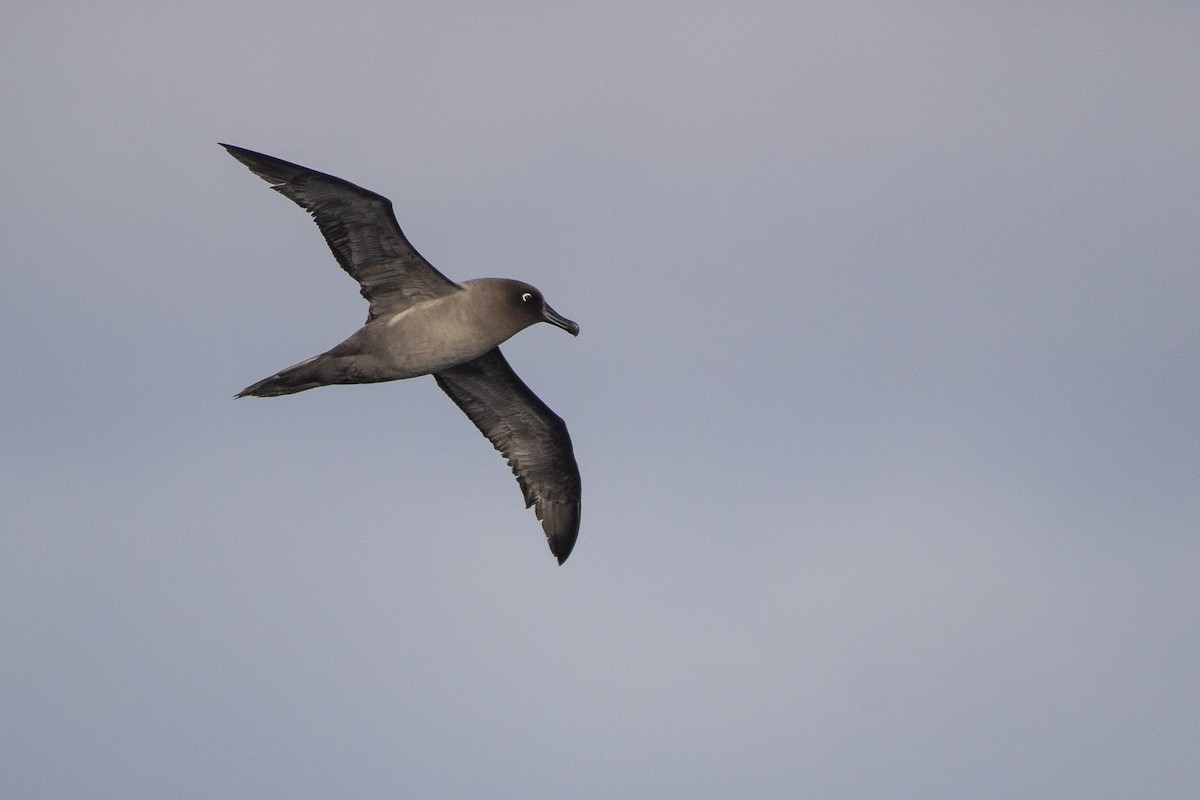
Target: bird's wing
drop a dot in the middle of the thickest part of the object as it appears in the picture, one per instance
(532, 437)
(361, 230)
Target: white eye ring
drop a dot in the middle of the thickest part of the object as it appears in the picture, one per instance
(525, 298)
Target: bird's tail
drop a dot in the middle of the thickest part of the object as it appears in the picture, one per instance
(308, 374)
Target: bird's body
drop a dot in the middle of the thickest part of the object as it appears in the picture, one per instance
(425, 338)
(421, 323)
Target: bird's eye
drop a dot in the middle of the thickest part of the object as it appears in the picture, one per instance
(525, 298)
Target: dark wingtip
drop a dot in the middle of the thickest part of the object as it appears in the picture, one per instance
(563, 551)
(561, 524)
(254, 160)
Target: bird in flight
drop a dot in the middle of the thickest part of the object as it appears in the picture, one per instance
(420, 322)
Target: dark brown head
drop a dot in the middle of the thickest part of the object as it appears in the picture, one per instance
(525, 304)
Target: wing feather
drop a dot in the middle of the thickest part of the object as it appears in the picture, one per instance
(361, 230)
(526, 432)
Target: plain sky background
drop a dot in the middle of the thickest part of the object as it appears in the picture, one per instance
(886, 402)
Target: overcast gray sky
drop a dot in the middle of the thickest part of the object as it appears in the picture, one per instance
(886, 402)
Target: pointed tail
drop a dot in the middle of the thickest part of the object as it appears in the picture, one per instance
(308, 374)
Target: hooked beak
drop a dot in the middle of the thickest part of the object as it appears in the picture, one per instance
(554, 318)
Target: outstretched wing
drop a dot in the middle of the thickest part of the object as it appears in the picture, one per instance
(361, 230)
(532, 437)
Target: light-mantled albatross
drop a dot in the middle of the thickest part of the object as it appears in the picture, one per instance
(420, 322)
